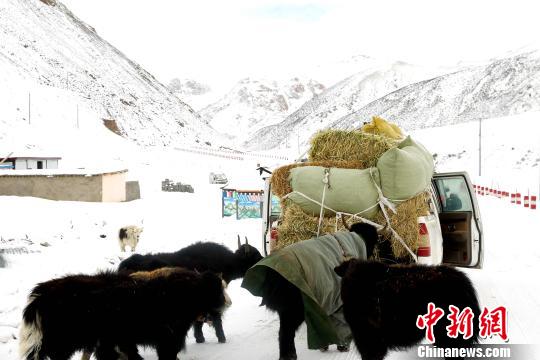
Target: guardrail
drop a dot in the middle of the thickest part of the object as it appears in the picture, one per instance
(231, 154)
(529, 201)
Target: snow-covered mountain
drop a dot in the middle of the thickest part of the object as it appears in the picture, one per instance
(503, 87)
(348, 95)
(498, 88)
(47, 52)
(254, 103)
(257, 102)
(263, 100)
(195, 93)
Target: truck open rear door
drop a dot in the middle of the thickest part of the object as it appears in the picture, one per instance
(460, 220)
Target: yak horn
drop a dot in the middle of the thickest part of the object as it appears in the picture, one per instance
(239, 245)
(246, 240)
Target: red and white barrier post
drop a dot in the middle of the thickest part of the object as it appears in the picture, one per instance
(528, 201)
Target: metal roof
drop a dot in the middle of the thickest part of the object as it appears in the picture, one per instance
(61, 172)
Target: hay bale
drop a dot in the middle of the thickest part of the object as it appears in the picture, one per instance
(405, 223)
(348, 150)
(342, 145)
(297, 226)
(281, 184)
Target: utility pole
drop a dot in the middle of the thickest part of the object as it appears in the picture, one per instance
(480, 148)
(29, 106)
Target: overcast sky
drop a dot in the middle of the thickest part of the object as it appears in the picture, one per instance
(221, 41)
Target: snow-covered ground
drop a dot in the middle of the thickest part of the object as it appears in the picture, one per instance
(55, 95)
(510, 150)
(46, 239)
(51, 238)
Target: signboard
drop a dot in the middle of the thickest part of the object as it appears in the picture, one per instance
(249, 210)
(228, 203)
(244, 204)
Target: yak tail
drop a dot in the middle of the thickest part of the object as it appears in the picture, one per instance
(31, 334)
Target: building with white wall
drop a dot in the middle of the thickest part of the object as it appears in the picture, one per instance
(29, 162)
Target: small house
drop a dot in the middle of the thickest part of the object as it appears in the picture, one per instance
(29, 162)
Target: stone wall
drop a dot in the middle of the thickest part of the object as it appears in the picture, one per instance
(94, 188)
(133, 190)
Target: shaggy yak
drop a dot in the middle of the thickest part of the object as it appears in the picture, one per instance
(381, 304)
(129, 236)
(87, 312)
(283, 297)
(201, 256)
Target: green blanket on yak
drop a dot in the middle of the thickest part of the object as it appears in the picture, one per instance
(309, 265)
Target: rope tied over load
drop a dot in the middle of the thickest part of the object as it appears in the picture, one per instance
(383, 202)
(326, 182)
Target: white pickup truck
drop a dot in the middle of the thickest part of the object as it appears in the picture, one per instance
(451, 234)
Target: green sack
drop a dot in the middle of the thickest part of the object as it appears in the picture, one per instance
(405, 170)
(350, 190)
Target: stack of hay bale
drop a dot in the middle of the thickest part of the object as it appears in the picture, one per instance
(357, 165)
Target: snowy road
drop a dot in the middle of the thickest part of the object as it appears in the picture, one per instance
(64, 237)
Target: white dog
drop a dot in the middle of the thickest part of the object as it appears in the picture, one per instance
(129, 235)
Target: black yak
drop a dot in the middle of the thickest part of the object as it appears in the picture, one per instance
(201, 256)
(83, 312)
(382, 303)
(298, 282)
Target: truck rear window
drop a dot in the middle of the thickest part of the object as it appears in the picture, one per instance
(454, 194)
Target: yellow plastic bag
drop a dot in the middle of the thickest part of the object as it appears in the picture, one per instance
(379, 126)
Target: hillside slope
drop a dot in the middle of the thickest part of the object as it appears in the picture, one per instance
(501, 87)
(347, 96)
(504, 87)
(44, 45)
